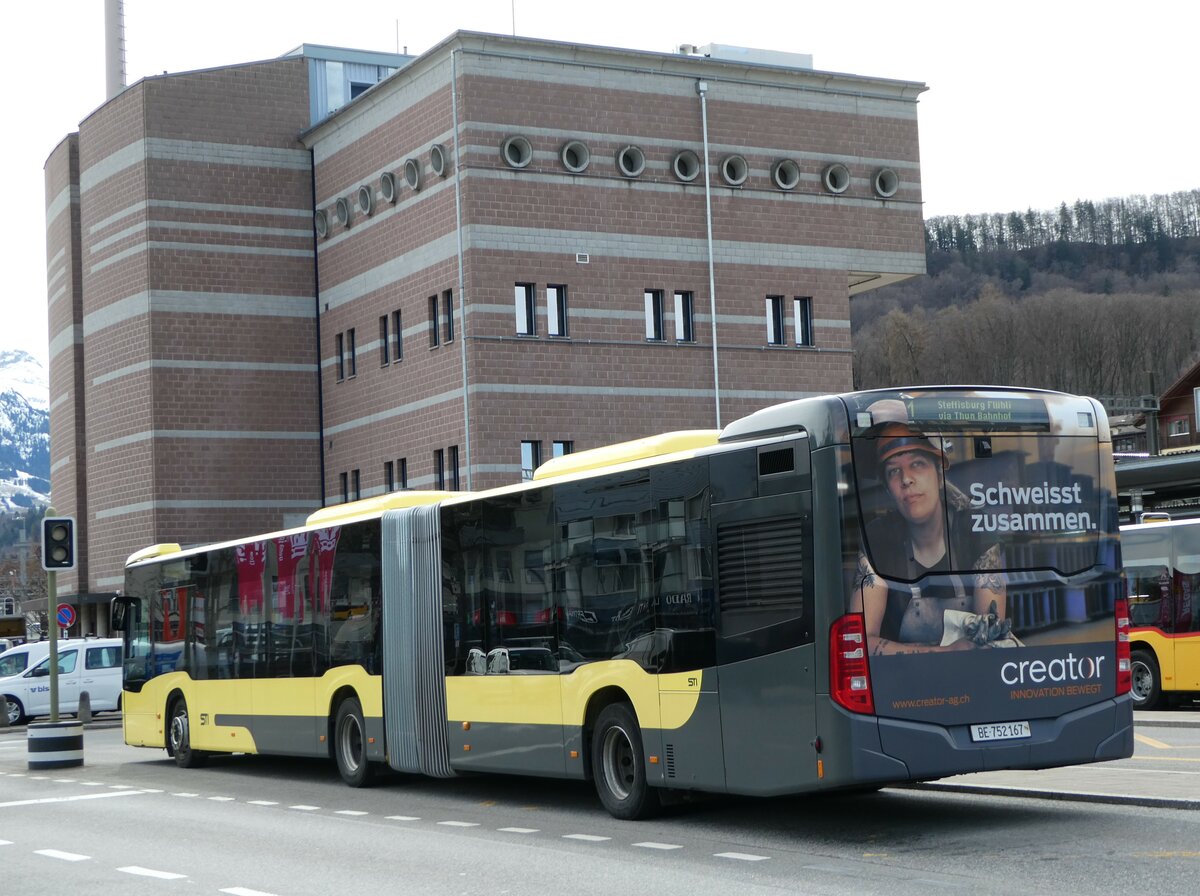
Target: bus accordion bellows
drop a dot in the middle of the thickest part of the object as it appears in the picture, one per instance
(839, 592)
(1162, 575)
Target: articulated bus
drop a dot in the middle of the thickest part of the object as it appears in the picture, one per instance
(1162, 574)
(836, 593)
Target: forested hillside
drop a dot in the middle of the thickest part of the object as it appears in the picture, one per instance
(1099, 298)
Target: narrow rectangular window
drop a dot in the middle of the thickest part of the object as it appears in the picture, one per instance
(439, 468)
(403, 464)
(804, 323)
(531, 458)
(562, 447)
(448, 313)
(453, 461)
(654, 315)
(340, 351)
(685, 330)
(356, 483)
(389, 476)
(523, 305)
(556, 310)
(398, 335)
(351, 362)
(774, 320)
(345, 478)
(385, 344)
(433, 321)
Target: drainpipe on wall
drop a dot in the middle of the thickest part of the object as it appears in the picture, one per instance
(702, 89)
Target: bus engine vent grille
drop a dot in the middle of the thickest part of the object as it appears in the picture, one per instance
(760, 564)
(781, 460)
(669, 757)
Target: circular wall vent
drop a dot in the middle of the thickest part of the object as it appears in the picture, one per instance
(412, 174)
(517, 152)
(786, 174)
(387, 186)
(321, 223)
(686, 165)
(341, 210)
(836, 178)
(631, 161)
(437, 159)
(735, 170)
(366, 199)
(575, 156)
(886, 182)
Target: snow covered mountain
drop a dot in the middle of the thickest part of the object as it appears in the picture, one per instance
(24, 432)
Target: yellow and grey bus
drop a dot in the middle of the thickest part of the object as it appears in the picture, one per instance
(1162, 574)
(838, 592)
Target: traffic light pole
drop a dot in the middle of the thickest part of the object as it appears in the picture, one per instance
(52, 618)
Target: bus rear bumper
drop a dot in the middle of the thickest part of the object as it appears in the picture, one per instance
(898, 750)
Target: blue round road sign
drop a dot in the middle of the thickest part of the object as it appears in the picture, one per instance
(65, 615)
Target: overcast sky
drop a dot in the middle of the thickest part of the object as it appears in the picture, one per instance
(1030, 102)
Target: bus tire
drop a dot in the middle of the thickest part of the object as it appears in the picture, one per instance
(16, 712)
(350, 744)
(1146, 682)
(179, 737)
(619, 765)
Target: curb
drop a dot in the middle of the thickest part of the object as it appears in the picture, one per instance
(1113, 799)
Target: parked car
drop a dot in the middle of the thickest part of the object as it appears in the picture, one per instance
(91, 665)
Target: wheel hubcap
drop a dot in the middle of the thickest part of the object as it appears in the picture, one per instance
(179, 732)
(619, 771)
(351, 743)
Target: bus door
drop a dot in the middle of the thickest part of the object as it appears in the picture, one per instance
(763, 535)
(1186, 588)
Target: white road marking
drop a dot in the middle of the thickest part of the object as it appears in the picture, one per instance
(150, 872)
(741, 856)
(91, 783)
(70, 799)
(649, 844)
(403, 818)
(590, 838)
(185, 794)
(263, 803)
(350, 812)
(6, 843)
(459, 824)
(64, 780)
(59, 854)
(222, 799)
(520, 830)
(305, 808)
(243, 891)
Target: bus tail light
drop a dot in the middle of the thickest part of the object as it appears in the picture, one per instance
(1124, 674)
(849, 675)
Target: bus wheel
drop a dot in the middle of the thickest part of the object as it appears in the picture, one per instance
(179, 738)
(16, 712)
(350, 744)
(1147, 685)
(619, 765)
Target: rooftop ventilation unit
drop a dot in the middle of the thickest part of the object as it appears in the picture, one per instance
(726, 53)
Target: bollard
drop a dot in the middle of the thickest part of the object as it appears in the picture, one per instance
(55, 744)
(85, 708)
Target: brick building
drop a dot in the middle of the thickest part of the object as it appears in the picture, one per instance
(505, 249)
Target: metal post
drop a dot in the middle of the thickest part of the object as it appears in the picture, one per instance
(52, 624)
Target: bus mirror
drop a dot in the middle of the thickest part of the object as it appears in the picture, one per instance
(118, 616)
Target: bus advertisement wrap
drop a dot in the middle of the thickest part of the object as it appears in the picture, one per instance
(984, 539)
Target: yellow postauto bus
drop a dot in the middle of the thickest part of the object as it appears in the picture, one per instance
(839, 592)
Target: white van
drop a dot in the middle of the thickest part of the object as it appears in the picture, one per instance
(91, 664)
(17, 659)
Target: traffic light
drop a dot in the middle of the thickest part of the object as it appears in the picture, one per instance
(58, 543)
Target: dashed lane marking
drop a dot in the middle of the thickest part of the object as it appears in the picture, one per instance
(243, 891)
(589, 838)
(741, 856)
(69, 799)
(459, 824)
(403, 818)
(520, 830)
(649, 844)
(305, 808)
(59, 854)
(350, 812)
(263, 803)
(222, 799)
(150, 872)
